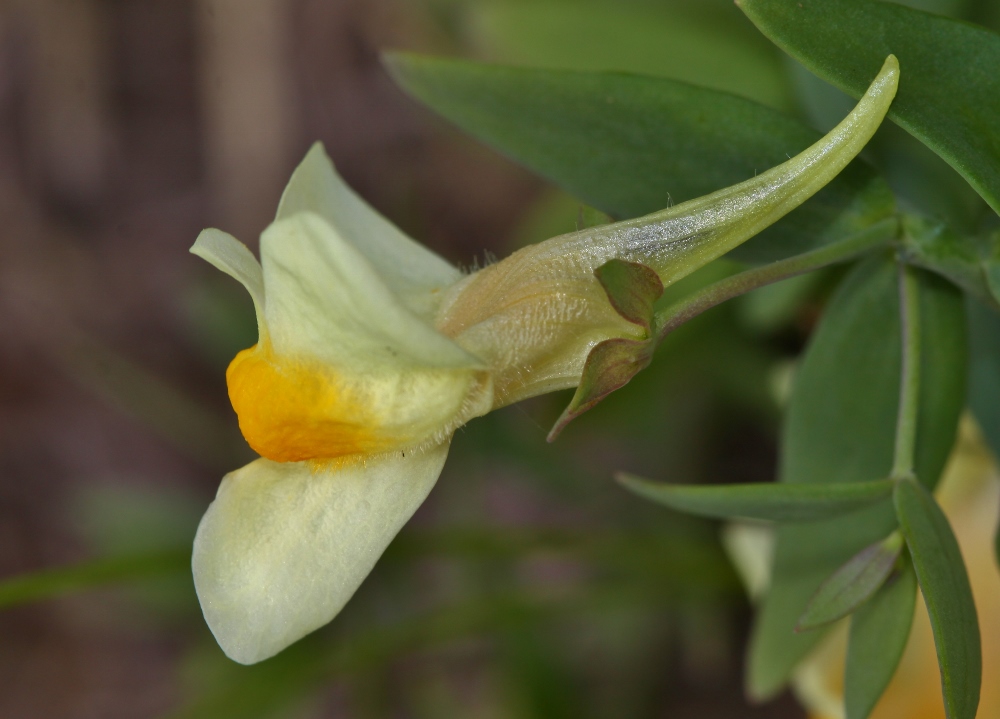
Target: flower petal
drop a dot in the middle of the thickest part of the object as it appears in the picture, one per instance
(414, 273)
(228, 254)
(284, 546)
(347, 369)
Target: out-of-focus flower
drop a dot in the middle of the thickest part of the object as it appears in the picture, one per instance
(969, 493)
(372, 351)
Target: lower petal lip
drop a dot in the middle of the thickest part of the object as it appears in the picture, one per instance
(284, 546)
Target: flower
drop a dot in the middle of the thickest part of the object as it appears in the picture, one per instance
(372, 351)
(969, 494)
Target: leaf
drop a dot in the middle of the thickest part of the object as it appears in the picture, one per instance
(779, 502)
(966, 260)
(587, 216)
(947, 594)
(949, 91)
(630, 145)
(879, 632)
(609, 366)
(840, 427)
(50, 583)
(632, 289)
(984, 370)
(704, 43)
(853, 584)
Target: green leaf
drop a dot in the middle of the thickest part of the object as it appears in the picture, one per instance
(947, 594)
(879, 632)
(709, 46)
(779, 502)
(949, 91)
(630, 145)
(632, 289)
(50, 583)
(984, 370)
(587, 216)
(840, 427)
(967, 260)
(853, 584)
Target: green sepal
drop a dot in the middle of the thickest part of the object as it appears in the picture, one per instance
(609, 366)
(879, 632)
(632, 289)
(949, 93)
(772, 501)
(947, 593)
(852, 584)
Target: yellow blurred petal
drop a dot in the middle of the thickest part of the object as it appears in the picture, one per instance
(346, 369)
(416, 275)
(750, 546)
(228, 254)
(284, 546)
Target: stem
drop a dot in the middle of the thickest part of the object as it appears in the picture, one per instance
(708, 297)
(909, 391)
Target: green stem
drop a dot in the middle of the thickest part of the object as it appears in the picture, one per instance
(909, 391)
(693, 305)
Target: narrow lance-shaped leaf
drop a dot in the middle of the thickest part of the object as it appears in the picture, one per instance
(853, 584)
(630, 145)
(945, 585)
(984, 370)
(779, 502)
(840, 427)
(879, 632)
(950, 97)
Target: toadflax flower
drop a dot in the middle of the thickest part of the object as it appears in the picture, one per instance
(372, 351)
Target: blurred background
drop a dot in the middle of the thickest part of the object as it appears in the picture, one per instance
(530, 584)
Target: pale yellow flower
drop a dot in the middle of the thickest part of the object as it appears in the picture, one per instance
(373, 350)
